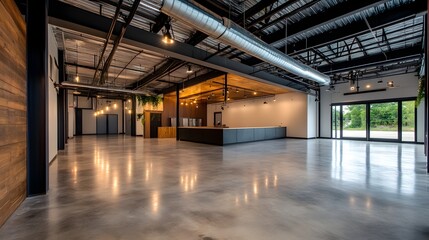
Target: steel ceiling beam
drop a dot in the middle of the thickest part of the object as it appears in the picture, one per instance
(118, 40)
(284, 17)
(331, 14)
(160, 22)
(106, 42)
(67, 16)
(387, 18)
(266, 17)
(404, 54)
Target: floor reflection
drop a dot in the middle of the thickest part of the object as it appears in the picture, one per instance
(386, 166)
(134, 188)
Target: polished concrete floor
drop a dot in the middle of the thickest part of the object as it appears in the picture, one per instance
(131, 188)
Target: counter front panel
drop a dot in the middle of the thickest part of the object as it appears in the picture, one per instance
(225, 136)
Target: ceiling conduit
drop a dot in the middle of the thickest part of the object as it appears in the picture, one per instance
(232, 34)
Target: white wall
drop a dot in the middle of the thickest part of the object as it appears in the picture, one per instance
(89, 124)
(312, 106)
(289, 109)
(52, 95)
(405, 86)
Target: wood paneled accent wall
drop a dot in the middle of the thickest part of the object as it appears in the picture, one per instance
(189, 111)
(13, 109)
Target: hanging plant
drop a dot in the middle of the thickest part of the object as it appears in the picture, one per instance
(154, 100)
(421, 90)
(140, 117)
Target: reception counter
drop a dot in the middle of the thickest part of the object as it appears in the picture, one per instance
(224, 136)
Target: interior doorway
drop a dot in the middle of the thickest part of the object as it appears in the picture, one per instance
(217, 119)
(107, 124)
(155, 122)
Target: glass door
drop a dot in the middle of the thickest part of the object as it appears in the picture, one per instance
(335, 123)
(354, 121)
(384, 121)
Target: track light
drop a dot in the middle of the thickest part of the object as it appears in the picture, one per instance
(390, 84)
(167, 37)
(189, 70)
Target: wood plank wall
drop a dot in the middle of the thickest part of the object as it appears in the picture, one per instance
(13, 109)
(189, 111)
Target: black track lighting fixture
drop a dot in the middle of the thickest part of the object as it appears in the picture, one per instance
(167, 36)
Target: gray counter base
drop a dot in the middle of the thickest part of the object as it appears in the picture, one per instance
(225, 136)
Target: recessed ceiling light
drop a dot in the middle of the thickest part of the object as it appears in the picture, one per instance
(76, 92)
(368, 86)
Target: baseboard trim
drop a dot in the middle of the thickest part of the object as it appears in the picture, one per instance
(301, 138)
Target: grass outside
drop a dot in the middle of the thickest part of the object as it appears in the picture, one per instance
(383, 128)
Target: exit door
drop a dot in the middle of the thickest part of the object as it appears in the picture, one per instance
(107, 124)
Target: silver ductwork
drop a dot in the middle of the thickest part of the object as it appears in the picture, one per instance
(232, 34)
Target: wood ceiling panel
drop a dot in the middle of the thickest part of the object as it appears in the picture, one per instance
(239, 87)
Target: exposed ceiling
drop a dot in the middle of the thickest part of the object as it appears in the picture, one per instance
(374, 38)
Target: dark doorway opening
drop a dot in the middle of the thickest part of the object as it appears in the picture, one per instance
(78, 121)
(217, 119)
(155, 122)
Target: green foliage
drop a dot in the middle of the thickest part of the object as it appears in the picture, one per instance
(421, 90)
(355, 116)
(154, 100)
(408, 114)
(140, 116)
(384, 115)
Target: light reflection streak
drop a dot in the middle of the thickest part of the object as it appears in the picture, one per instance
(115, 187)
(155, 202)
(188, 182)
(255, 187)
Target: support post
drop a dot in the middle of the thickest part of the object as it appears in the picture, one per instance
(426, 44)
(177, 110)
(133, 116)
(61, 106)
(37, 98)
(225, 91)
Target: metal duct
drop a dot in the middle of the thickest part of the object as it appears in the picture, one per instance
(234, 35)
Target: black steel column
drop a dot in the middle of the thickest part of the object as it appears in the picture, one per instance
(426, 91)
(61, 107)
(66, 114)
(225, 90)
(177, 110)
(133, 117)
(123, 116)
(400, 121)
(37, 98)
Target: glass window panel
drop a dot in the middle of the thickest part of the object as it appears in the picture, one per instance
(384, 120)
(354, 121)
(408, 121)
